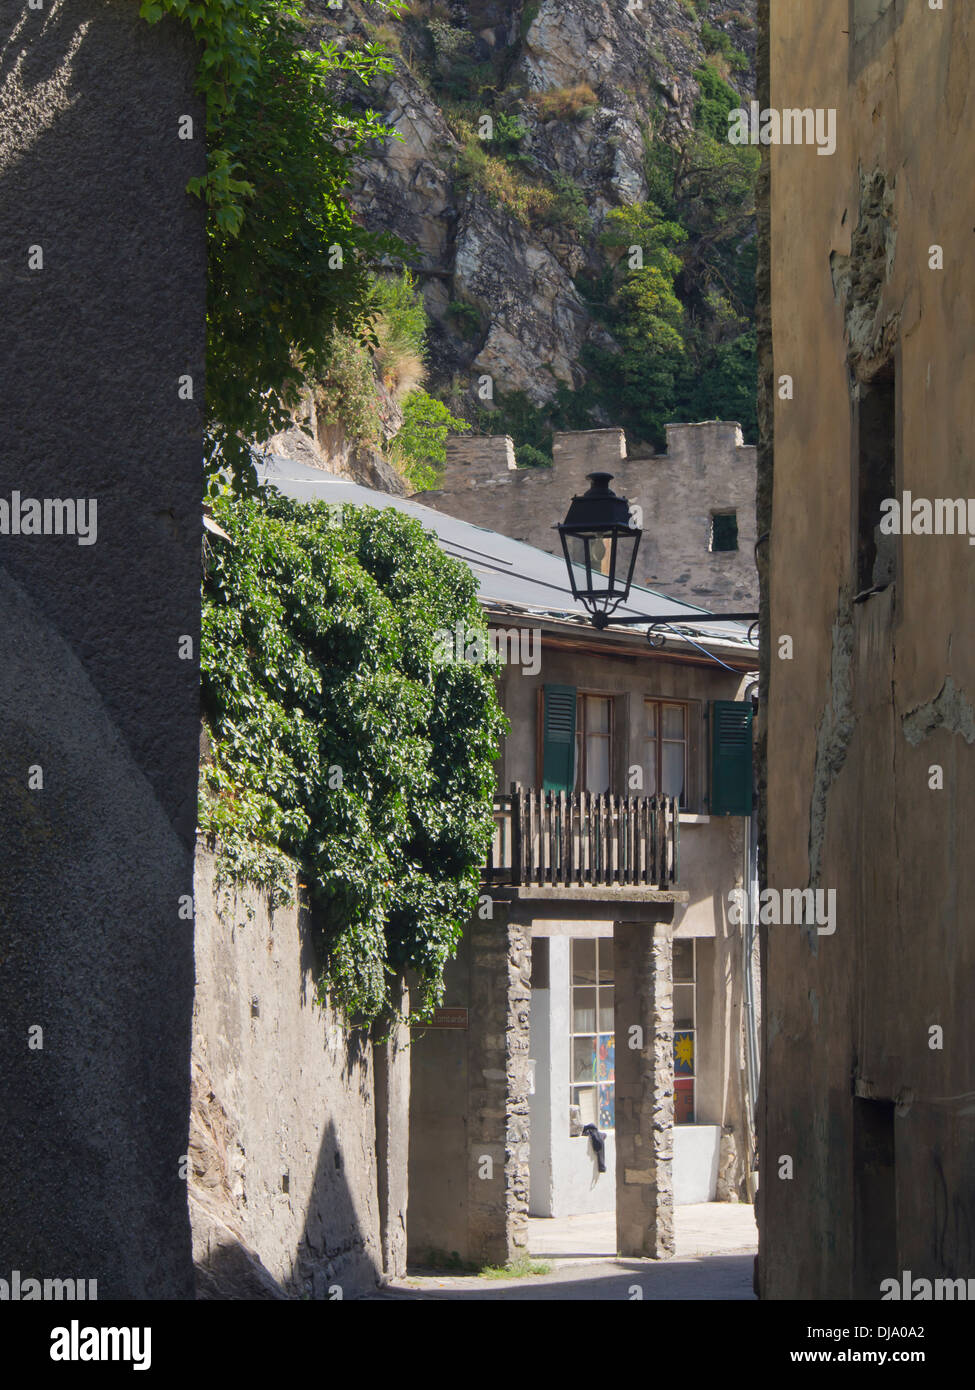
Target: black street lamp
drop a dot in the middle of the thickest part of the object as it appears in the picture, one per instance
(600, 547)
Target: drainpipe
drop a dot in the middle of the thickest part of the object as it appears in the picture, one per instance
(749, 928)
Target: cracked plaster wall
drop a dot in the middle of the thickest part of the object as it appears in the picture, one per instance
(878, 693)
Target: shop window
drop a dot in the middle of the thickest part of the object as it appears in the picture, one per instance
(685, 1032)
(665, 749)
(592, 1044)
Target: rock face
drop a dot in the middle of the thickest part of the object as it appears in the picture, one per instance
(314, 441)
(589, 84)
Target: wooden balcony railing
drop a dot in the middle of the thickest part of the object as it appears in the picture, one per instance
(579, 839)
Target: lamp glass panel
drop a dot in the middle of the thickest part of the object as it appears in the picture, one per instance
(625, 548)
(600, 556)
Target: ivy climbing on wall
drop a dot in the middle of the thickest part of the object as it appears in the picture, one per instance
(341, 737)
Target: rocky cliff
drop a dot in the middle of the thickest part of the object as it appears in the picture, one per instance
(519, 129)
(579, 229)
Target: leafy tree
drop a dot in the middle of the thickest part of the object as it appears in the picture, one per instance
(342, 738)
(420, 446)
(287, 263)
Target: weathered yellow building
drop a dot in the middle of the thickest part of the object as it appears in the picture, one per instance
(868, 1113)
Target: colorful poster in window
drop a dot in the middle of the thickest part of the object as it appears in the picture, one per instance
(605, 1077)
(683, 1102)
(606, 1058)
(684, 1054)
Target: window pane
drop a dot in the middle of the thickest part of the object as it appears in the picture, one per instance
(583, 962)
(651, 710)
(585, 1098)
(597, 764)
(606, 1013)
(673, 721)
(683, 960)
(606, 1058)
(683, 1102)
(672, 769)
(684, 1053)
(583, 1011)
(583, 1059)
(683, 1006)
(605, 945)
(597, 715)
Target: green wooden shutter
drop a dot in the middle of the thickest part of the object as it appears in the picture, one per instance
(559, 739)
(731, 757)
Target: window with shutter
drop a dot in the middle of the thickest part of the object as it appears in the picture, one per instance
(559, 738)
(731, 757)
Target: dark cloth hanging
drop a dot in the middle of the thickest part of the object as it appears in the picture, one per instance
(598, 1142)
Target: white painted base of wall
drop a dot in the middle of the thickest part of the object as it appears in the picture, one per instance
(696, 1152)
(581, 1190)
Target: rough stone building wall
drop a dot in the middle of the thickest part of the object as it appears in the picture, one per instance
(102, 278)
(874, 1114)
(469, 1127)
(706, 469)
(285, 1191)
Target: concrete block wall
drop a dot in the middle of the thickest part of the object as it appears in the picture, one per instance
(706, 469)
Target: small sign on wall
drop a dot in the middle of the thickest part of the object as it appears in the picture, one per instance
(445, 1018)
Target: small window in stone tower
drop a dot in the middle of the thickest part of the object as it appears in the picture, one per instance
(876, 552)
(724, 531)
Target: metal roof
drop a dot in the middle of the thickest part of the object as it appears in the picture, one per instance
(509, 573)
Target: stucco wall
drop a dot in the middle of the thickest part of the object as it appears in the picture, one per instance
(706, 469)
(864, 709)
(96, 696)
(283, 1141)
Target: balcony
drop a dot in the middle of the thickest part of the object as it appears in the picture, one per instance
(582, 841)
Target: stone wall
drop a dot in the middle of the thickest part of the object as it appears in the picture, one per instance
(298, 1164)
(706, 469)
(103, 258)
(469, 1129)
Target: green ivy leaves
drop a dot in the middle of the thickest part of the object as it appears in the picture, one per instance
(340, 740)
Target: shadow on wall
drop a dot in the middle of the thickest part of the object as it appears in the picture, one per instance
(283, 1191)
(227, 1268)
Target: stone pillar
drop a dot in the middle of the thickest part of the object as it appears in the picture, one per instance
(642, 955)
(392, 1068)
(498, 1040)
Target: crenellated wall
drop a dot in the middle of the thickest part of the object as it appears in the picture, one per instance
(706, 469)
